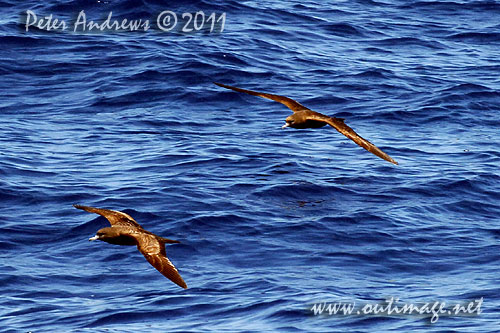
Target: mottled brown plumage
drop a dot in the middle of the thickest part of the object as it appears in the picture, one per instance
(125, 230)
(306, 118)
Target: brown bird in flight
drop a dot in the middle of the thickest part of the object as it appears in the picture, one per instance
(125, 230)
(303, 117)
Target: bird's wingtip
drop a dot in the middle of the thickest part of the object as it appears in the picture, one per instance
(390, 159)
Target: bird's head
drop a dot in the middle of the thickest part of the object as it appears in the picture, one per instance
(103, 234)
(116, 235)
(290, 121)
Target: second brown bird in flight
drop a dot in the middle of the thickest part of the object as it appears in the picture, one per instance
(303, 117)
(125, 230)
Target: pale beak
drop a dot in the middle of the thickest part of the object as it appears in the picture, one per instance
(285, 126)
(94, 238)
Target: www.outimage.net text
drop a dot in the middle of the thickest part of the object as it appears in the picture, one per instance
(390, 307)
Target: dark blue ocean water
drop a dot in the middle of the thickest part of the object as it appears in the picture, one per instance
(271, 221)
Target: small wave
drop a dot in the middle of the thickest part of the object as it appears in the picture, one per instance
(455, 6)
(342, 29)
(467, 87)
(128, 98)
(476, 37)
(24, 40)
(409, 41)
(376, 73)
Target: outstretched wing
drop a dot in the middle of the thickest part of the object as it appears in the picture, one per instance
(340, 126)
(114, 217)
(290, 103)
(154, 252)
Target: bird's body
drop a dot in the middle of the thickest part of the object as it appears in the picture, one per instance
(303, 117)
(125, 230)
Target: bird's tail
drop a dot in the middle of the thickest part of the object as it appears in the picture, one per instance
(168, 241)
